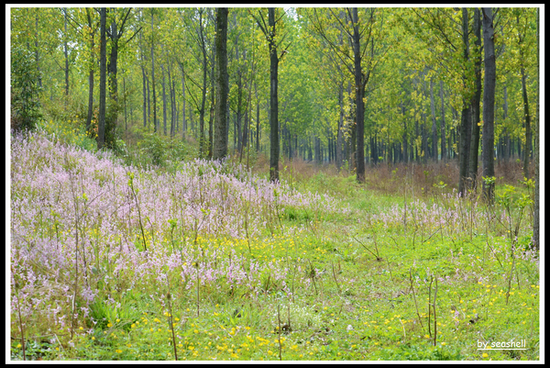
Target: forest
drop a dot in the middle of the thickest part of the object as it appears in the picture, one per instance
(274, 183)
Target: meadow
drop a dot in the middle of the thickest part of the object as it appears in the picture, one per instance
(209, 261)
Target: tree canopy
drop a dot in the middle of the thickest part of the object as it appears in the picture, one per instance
(356, 86)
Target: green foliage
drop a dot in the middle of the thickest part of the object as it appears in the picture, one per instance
(70, 132)
(25, 103)
(158, 150)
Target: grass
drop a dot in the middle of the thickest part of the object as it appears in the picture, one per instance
(317, 268)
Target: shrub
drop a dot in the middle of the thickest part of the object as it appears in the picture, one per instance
(25, 104)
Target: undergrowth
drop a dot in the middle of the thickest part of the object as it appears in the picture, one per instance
(111, 259)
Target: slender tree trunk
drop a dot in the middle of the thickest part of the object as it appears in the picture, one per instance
(183, 108)
(536, 213)
(360, 104)
(173, 115)
(434, 123)
(90, 78)
(102, 80)
(112, 67)
(213, 99)
(465, 124)
(274, 100)
(528, 133)
(66, 53)
(488, 103)
(257, 118)
(36, 49)
(174, 119)
(155, 122)
(404, 138)
(339, 132)
(144, 96)
(163, 99)
(474, 145)
(507, 141)
(443, 133)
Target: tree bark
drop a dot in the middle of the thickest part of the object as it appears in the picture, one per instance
(90, 77)
(164, 117)
(360, 104)
(155, 122)
(536, 210)
(528, 133)
(443, 128)
(183, 108)
(434, 123)
(488, 104)
(465, 124)
(474, 145)
(102, 80)
(274, 99)
(66, 53)
(339, 132)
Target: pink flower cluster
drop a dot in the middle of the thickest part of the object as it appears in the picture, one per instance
(77, 220)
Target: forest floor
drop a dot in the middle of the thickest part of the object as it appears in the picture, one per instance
(204, 261)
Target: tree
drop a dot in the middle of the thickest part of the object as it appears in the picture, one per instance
(269, 30)
(155, 122)
(103, 79)
(222, 86)
(91, 31)
(488, 104)
(362, 35)
(476, 97)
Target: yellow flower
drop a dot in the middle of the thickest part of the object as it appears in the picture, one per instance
(485, 355)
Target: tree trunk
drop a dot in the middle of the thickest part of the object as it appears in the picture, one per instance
(274, 100)
(339, 132)
(528, 134)
(474, 145)
(536, 209)
(36, 48)
(404, 138)
(102, 80)
(90, 77)
(66, 53)
(434, 123)
(183, 108)
(465, 124)
(144, 96)
(202, 110)
(155, 122)
(257, 118)
(112, 67)
(173, 109)
(360, 104)
(443, 133)
(163, 99)
(488, 104)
